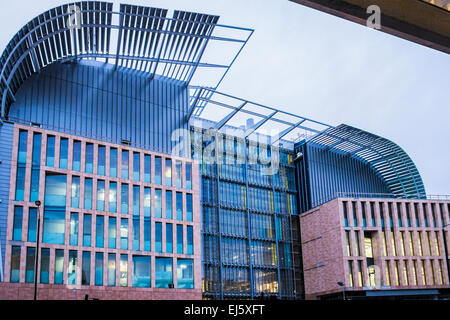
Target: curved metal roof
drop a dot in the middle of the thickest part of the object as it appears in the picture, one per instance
(135, 37)
(388, 160)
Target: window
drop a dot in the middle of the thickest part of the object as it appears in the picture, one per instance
(112, 232)
(169, 205)
(147, 168)
(136, 233)
(124, 234)
(344, 207)
(158, 236)
(113, 162)
(73, 238)
(163, 272)
(45, 265)
(147, 234)
(178, 174)
(21, 162)
(111, 269)
(190, 239)
(54, 226)
(141, 271)
(86, 269)
(189, 213)
(101, 160)
(179, 205)
(75, 196)
(59, 266)
(99, 231)
(63, 153)
(32, 223)
(158, 209)
(35, 167)
(98, 269)
(136, 200)
(169, 238)
(136, 166)
(350, 273)
(123, 270)
(124, 199)
(17, 223)
(72, 267)
(158, 170)
(168, 173)
(147, 201)
(185, 273)
(100, 195)
(15, 264)
(180, 239)
(76, 159)
(55, 190)
(88, 193)
(125, 164)
(87, 230)
(89, 158)
(50, 161)
(113, 197)
(188, 169)
(29, 265)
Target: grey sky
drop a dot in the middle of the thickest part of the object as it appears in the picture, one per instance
(325, 68)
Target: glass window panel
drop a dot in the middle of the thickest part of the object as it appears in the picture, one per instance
(136, 166)
(188, 169)
(55, 190)
(45, 265)
(136, 200)
(113, 197)
(89, 163)
(147, 168)
(50, 160)
(124, 199)
(123, 270)
(59, 266)
(86, 269)
(185, 273)
(147, 201)
(15, 264)
(73, 239)
(178, 174)
(29, 265)
(169, 238)
(147, 234)
(189, 212)
(141, 271)
(99, 231)
(111, 269)
(88, 189)
(63, 152)
(163, 272)
(179, 205)
(101, 160)
(190, 240)
(54, 226)
(158, 236)
(113, 162)
(17, 223)
(32, 223)
(125, 164)
(136, 233)
(158, 170)
(169, 214)
(158, 209)
(124, 234)
(76, 157)
(35, 169)
(112, 232)
(75, 197)
(87, 230)
(180, 239)
(98, 268)
(168, 173)
(72, 267)
(100, 195)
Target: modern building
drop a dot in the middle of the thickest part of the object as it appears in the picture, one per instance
(128, 175)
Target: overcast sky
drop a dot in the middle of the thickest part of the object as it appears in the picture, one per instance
(322, 67)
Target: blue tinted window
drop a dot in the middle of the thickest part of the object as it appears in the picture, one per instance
(100, 195)
(190, 240)
(76, 160)
(185, 273)
(21, 161)
(99, 269)
(17, 223)
(113, 162)
(32, 223)
(35, 168)
(141, 271)
(158, 237)
(124, 199)
(55, 190)
(99, 231)
(101, 160)
(147, 234)
(50, 151)
(147, 168)
(169, 205)
(123, 270)
(188, 176)
(112, 232)
(22, 156)
(89, 163)
(168, 173)
(15, 264)
(169, 238)
(163, 272)
(59, 266)
(113, 197)
(180, 239)
(189, 211)
(72, 267)
(111, 269)
(88, 193)
(29, 265)
(86, 268)
(158, 170)
(136, 166)
(179, 206)
(45, 265)
(158, 209)
(87, 230)
(136, 233)
(73, 229)
(147, 201)
(75, 202)
(54, 226)
(63, 152)
(124, 234)
(125, 164)
(136, 200)
(178, 174)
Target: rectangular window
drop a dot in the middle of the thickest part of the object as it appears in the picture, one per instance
(124, 199)
(147, 234)
(158, 209)
(55, 190)
(112, 232)
(59, 266)
(136, 233)
(168, 173)
(163, 272)
(35, 167)
(347, 239)
(158, 170)
(189, 212)
(86, 269)
(73, 238)
(169, 214)
(136, 166)
(344, 208)
(45, 265)
(17, 223)
(29, 265)
(111, 269)
(147, 168)
(99, 231)
(88, 188)
(100, 195)
(350, 273)
(147, 201)
(76, 156)
(180, 239)
(113, 197)
(113, 162)
(32, 223)
(185, 274)
(178, 174)
(72, 267)
(125, 164)
(169, 238)
(123, 270)
(15, 264)
(190, 240)
(188, 169)
(87, 230)
(124, 234)
(158, 236)
(179, 205)
(54, 226)
(21, 163)
(63, 153)
(50, 160)
(89, 163)
(141, 271)
(101, 161)
(99, 268)
(136, 200)
(75, 196)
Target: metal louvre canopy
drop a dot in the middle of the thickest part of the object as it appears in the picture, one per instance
(140, 38)
(387, 159)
